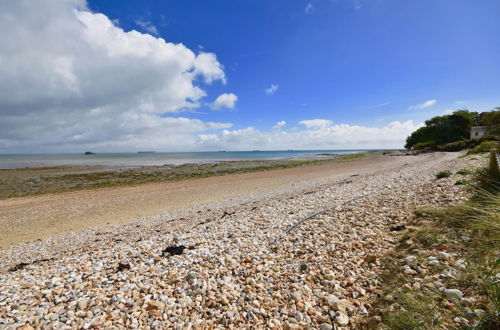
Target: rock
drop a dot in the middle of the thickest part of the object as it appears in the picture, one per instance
(341, 305)
(82, 304)
(363, 310)
(460, 320)
(398, 228)
(191, 276)
(444, 255)
(25, 327)
(411, 259)
(325, 326)
(122, 266)
(331, 300)
(173, 250)
(371, 258)
(296, 296)
(155, 306)
(407, 287)
(453, 294)
(341, 319)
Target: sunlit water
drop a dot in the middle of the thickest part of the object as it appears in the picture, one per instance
(160, 158)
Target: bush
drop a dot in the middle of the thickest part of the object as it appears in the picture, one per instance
(484, 147)
(425, 145)
(461, 182)
(443, 174)
(458, 145)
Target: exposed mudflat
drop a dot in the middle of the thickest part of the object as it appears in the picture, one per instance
(36, 217)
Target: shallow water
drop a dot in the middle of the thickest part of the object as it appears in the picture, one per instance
(160, 158)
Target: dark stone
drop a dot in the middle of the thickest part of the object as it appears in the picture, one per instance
(398, 228)
(173, 250)
(123, 266)
(303, 267)
(18, 266)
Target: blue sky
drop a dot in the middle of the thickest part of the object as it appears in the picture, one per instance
(359, 62)
(286, 74)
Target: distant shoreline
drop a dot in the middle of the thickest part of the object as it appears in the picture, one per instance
(55, 179)
(137, 159)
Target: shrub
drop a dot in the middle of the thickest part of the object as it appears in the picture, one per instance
(425, 145)
(443, 174)
(484, 147)
(461, 182)
(464, 171)
(458, 145)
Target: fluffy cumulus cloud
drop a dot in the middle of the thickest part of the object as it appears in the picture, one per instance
(316, 123)
(226, 100)
(71, 79)
(426, 104)
(342, 136)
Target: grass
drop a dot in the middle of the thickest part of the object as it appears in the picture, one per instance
(464, 171)
(461, 182)
(443, 174)
(29, 182)
(415, 312)
(477, 219)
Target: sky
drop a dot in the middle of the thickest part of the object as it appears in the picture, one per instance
(196, 75)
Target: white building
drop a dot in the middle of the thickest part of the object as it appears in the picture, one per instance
(476, 132)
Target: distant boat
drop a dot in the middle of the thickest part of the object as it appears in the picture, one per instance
(146, 152)
(222, 151)
(89, 153)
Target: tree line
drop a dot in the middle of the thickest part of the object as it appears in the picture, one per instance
(452, 132)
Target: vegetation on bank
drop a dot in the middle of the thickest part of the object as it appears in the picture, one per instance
(452, 132)
(451, 262)
(15, 183)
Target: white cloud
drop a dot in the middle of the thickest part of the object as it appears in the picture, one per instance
(342, 136)
(226, 100)
(272, 89)
(309, 8)
(279, 125)
(316, 123)
(420, 106)
(72, 80)
(147, 26)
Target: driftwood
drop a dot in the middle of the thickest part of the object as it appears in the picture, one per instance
(290, 228)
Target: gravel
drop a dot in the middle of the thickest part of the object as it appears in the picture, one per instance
(237, 267)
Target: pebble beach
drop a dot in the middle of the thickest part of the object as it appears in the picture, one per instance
(247, 262)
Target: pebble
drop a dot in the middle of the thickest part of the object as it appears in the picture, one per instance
(325, 326)
(341, 319)
(411, 259)
(234, 271)
(453, 294)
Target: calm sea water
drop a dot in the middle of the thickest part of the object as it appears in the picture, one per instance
(160, 158)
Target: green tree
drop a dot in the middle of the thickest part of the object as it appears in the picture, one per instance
(442, 129)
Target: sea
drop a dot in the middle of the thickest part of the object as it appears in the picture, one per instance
(157, 158)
